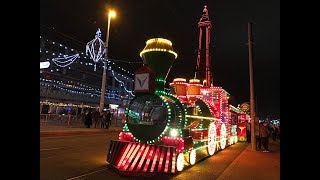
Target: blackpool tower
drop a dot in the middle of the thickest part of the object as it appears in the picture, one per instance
(203, 66)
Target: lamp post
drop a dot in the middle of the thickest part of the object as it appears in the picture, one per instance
(104, 75)
(252, 105)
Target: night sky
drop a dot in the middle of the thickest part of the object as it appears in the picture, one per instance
(176, 20)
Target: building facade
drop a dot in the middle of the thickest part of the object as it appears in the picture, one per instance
(72, 82)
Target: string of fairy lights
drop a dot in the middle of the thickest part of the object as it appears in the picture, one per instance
(82, 55)
(66, 60)
(63, 86)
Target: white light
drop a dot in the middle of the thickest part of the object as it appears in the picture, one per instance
(192, 157)
(65, 60)
(223, 136)
(96, 48)
(174, 132)
(44, 65)
(180, 162)
(211, 139)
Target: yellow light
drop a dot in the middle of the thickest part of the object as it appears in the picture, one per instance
(160, 40)
(112, 13)
(202, 117)
(156, 49)
(194, 81)
(179, 79)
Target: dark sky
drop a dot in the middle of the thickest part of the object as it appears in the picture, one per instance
(176, 20)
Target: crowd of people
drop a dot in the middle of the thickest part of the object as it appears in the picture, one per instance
(104, 119)
(265, 131)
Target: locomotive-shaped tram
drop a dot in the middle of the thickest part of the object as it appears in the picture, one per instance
(165, 131)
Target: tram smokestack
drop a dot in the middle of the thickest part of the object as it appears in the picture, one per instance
(158, 54)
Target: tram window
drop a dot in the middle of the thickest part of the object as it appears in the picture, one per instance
(158, 115)
(147, 110)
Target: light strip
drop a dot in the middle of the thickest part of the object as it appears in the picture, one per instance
(202, 117)
(155, 159)
(158, 49)
(148, 159)
(137, 157)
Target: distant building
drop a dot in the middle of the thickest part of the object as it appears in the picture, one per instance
(73, 84)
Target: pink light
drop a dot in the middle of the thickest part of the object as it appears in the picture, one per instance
(148, 160)
(167, 160)
(124, 155)
(161, 159)
(127, 155)
(137, 157)
(155, 159)
(130, 159)
(173, 162)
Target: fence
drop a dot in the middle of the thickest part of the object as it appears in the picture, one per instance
(68, 120)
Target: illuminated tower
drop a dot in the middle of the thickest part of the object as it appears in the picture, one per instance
(203, 67)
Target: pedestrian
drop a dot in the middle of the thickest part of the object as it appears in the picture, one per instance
(108, 118)
(123, 119)
(88, 119)
(103, 120)
(274, 132)
(258, 138)
(96, 117)
(248, 132)
(264, 135)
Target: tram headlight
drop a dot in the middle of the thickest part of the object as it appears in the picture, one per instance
(174, 132)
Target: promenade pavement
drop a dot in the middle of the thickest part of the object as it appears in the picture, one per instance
(255, 165)
(251, 165)
(52, 130)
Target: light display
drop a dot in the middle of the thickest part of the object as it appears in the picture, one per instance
(65, 60)
(96, 48)
(66, 105)
(212, 139)
(192, 157)
(176, 124)
(44, 65)
(180, 162)
(223, 136)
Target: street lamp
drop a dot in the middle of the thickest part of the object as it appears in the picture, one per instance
(104, 75)
(252, 105)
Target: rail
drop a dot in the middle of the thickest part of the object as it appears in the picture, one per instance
(69, 120)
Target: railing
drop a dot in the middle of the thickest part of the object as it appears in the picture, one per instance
(68, 120)
(61, 120)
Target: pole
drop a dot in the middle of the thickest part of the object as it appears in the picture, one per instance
(252, 109)
(104, 75)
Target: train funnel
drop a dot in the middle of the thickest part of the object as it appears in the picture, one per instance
(159, 55)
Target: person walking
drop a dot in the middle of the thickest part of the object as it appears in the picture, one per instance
(108, 118)
(96, 117)
(274, 132)
(103, 120)
(88, 119)
(257, 134)
(264, 135)
(248, 132)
